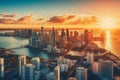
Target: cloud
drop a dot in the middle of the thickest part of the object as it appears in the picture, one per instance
(61, 19)
(26, 19)
(23, 20)
(8, 15)
(40, 19)
(73, 19)
(7, 21)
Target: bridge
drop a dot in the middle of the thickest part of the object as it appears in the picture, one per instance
(112, 57)
(80, 60)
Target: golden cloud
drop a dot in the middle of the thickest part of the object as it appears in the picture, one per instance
(73, 19)
(26, 19)
(7, 21)
(8, 15)
(61, 19)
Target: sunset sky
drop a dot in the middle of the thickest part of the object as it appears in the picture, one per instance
(59, 13)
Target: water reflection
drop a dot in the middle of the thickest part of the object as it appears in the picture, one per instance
(107, 40)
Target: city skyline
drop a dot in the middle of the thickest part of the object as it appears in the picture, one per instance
(63, 13)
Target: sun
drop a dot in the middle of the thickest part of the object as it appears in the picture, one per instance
(108, 23)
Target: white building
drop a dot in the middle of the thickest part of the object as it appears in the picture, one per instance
(49, 48)
(1, 68)
(81, 73)
(36, 62)
(63, 67)
(28, 72)
(22, 61)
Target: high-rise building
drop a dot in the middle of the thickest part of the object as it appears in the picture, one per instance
(86, 33)
(52, 39)
(51, 76)
(67, 34)
(42, 33)
(29, 32)
(22, 61)
(62, 33)
(28, 72)
(57, 72)
(106, 69)
(95, 67)
(1, 68)
(32, 41)
(63, 67)
(36, 62)
(90, 57)
(81, 73)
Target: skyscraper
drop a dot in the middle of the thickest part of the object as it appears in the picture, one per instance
(57, 72)
(95, 67)
(28, 72)
(22, 61)
(67, 34)
(36, 62)
(90, 57)
(51, 76)
(62, 33)
(52, 39)
(86, 36)
(1, 68)
(81, 73)
(106, 69)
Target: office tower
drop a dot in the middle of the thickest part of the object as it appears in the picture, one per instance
(63, 67)
(28, 72)
(75, 35)
(34, 34)
(29, 32)
(52, 39)
(51, 76)
(95, 67)
(91, 35)
(36, 62)
(59, 60)
(86, 33)
(57, 72)
(67, 34)
(71, 34)
(22, 61)
(62, 33)
(32, 41)
(72, 78)
(49, 48)
(38, 43)
(106, 69)
(42, 33)
(90, 57)
(1, 68)
(81, 73)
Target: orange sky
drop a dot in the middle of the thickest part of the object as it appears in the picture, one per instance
(64, 13)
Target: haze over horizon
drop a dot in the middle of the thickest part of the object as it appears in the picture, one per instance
(62, 13)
